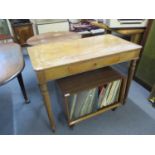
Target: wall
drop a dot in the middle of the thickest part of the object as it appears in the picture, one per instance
(146, 67)
(4, 27)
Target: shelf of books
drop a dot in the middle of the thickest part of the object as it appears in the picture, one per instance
(91, 93)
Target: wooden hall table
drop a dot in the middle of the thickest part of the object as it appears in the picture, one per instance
(57, 60)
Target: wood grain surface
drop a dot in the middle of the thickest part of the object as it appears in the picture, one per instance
(53, 55)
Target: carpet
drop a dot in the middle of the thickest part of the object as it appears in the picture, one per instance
(31, 119)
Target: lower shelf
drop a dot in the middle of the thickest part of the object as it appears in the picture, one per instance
(91, 93)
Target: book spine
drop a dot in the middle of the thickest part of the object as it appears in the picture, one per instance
(73, 105)
(83, 101)
(92, 101)
(114, 92)
(111, 92)
(117, 92)
(104, 102)
(101, 96)
(85, 104)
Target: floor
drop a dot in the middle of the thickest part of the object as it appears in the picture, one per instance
(137, 116)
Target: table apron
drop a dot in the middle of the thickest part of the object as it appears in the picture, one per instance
(83, 66)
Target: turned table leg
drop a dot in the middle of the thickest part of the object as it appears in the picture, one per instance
(131, 72)
(46, 98)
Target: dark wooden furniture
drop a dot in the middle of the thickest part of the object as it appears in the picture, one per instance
(22, 32)
(11, 65)
(52, 37)
(72, 85)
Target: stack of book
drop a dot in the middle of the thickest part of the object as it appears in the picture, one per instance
(88, 101)
(109, 94)
(83, 103)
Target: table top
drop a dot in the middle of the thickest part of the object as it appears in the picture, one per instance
(53, 55)
(11, 61)
(52, 37)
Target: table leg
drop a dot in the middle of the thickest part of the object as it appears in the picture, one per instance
(136, 38)
(46, 98)
(131, 72)
(21, 83)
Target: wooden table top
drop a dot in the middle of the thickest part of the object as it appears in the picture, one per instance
(52, 37)
(11, 61)
(54, 55)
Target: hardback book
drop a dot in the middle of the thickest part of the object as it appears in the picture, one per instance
(104, 101)
(83, 103)
(116, 92)
(101, 95)
(81, 97)
(91, 103)
(110, 95)
(73, 99)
